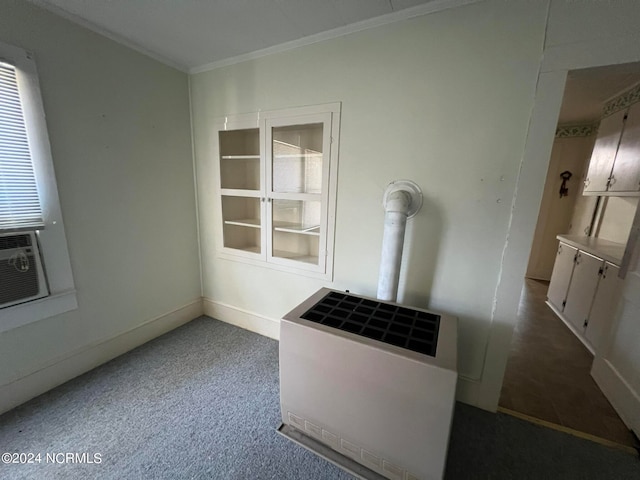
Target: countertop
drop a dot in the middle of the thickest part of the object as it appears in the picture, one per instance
(605, 249)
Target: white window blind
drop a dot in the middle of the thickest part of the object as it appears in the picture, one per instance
(19, 201)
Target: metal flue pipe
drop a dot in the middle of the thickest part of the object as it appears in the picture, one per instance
(402, 200)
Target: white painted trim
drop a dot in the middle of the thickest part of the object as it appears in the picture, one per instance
(44, 4)
(592, 53)
(624, 399)
(538, 277)
(525, 209)
(52, 238)
(71, 364)
(194, 167)
(35, 310)
(417, 11)
(467, 388)
(557, 60)
(254, 322)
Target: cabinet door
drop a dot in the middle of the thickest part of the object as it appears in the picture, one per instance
(604, 153)
(298, 159)
(561, 275)
(604, 304)
(582, 289)
(241, 174)
(626, 169)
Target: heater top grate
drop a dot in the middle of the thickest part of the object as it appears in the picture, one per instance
(403, 327)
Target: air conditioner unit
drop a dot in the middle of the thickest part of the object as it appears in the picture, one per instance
(22, 277)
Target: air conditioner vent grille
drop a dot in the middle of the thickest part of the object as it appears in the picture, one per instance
(15, 241)
(18, 281)
(392, 324)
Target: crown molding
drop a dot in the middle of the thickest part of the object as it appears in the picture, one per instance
(417, 11)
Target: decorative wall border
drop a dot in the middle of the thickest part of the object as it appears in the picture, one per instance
(622, 101)
(566, 131)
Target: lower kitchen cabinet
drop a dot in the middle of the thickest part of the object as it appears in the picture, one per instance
(603, 308)
(561, 275)
(583, 293)
(582, 289)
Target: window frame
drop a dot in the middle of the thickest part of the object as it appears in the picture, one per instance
(52, 238)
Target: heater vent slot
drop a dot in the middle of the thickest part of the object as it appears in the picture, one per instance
(392, 324)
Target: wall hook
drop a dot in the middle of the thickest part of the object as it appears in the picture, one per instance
(564, 190)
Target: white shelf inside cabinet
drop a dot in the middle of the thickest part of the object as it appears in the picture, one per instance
(297, 228)
(297, 257)
(237, 192)
(241, 157)
(297, 155)
(244, 222)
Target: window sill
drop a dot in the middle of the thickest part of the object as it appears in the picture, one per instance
(25, 313)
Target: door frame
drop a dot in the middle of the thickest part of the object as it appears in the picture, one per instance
(556, 62)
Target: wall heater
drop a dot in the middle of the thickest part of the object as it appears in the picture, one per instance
(369, 385)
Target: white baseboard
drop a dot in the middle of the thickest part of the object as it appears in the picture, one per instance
(467, 389)
(572, 327)
(252, 321)
(72, 364)
(542, 278)
(620, 394)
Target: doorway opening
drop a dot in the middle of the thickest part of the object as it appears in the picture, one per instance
(548, 375)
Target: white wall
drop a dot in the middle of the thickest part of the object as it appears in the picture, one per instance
(448, 101)
(617, 369)
(443, 100)
(616, 218)
(119, 128)
(568, 153)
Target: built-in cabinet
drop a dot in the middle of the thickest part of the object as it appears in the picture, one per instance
(584, 288)
(561, 275)
(614, 168)
(604, 305)
(277, 174)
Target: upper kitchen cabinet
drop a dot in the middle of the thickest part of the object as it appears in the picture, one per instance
(625, 177)
(614, 168)
(604, 154)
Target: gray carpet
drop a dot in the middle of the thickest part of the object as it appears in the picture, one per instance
(202, 402)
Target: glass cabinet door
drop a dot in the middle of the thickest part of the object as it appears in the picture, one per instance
(276, 188)
(240, 188)
(297, 162)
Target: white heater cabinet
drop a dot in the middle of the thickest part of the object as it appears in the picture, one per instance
(374, 381)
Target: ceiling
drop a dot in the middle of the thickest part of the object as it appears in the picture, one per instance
(587, 90)
(196, 34)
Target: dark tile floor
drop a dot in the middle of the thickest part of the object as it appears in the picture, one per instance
(548, 373)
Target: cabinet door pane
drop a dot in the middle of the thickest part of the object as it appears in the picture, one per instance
(242, 223)
(240, 159)
(604, 152)
(296, 230)
(626, 169)
(297, 158)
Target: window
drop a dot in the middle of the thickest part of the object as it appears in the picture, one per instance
(277, 185)
(19, 201)
(30, 216)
